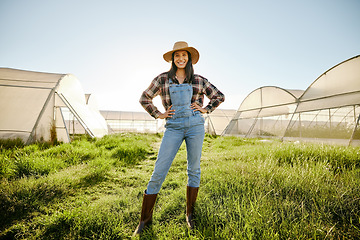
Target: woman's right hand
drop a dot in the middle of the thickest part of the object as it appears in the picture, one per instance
(168, 114)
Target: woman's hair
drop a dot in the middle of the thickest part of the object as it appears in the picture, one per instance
(189, 70)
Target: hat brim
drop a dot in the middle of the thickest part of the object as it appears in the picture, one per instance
(194, 54)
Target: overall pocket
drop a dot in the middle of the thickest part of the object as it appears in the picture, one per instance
(197, 119)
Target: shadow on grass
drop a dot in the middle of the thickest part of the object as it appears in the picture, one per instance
(22, 203)
(148, 233)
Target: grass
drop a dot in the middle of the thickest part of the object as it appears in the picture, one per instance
(250, 189)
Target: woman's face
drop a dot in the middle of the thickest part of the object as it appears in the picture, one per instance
(181, 58)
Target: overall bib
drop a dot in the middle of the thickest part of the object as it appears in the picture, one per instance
(185, 124)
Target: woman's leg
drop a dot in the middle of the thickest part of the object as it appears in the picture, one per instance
(170, 145)
(194, 141)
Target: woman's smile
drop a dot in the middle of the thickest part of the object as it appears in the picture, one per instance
(181, 58)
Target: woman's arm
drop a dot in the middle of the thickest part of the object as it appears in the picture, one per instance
(215, 96)
(147, 96)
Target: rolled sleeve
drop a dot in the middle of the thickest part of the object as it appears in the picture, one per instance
(215, 96)
(146, 99)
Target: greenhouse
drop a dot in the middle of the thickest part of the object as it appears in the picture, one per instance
(125, 121)
(327, 111)
(264, 112)
(216, 122)
(73, 125)
(37, 106)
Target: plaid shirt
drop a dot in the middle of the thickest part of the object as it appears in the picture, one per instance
(160, 86)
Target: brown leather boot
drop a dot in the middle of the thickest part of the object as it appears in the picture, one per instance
(146, 212)
(191, 195)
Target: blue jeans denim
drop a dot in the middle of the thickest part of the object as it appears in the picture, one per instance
(191, 129)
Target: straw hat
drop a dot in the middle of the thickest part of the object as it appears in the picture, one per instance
(180, 46)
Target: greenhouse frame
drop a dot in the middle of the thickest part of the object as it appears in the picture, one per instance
(216, 122)
(37, 106)
(126, 121)
(327, 111)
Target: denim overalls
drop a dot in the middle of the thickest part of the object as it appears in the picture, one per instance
(185, 124)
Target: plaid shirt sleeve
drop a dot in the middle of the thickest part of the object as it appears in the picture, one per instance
(156, 87)
(203, 87)
(147, 96)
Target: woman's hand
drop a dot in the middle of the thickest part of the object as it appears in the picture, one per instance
(196, 107)
(168, 114)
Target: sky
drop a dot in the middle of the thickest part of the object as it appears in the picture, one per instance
(115, 47)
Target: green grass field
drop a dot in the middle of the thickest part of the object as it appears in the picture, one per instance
(250, 189)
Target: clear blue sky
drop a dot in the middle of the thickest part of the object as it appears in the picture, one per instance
(115, 47)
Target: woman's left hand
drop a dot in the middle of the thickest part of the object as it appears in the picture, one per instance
(196, 107)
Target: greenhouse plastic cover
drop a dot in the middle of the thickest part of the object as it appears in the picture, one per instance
(31, 102)
(339, 86)
(328, 110)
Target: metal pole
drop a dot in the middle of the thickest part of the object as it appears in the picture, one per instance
(353, 134)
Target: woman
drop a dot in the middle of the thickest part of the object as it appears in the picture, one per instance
(182, 93)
